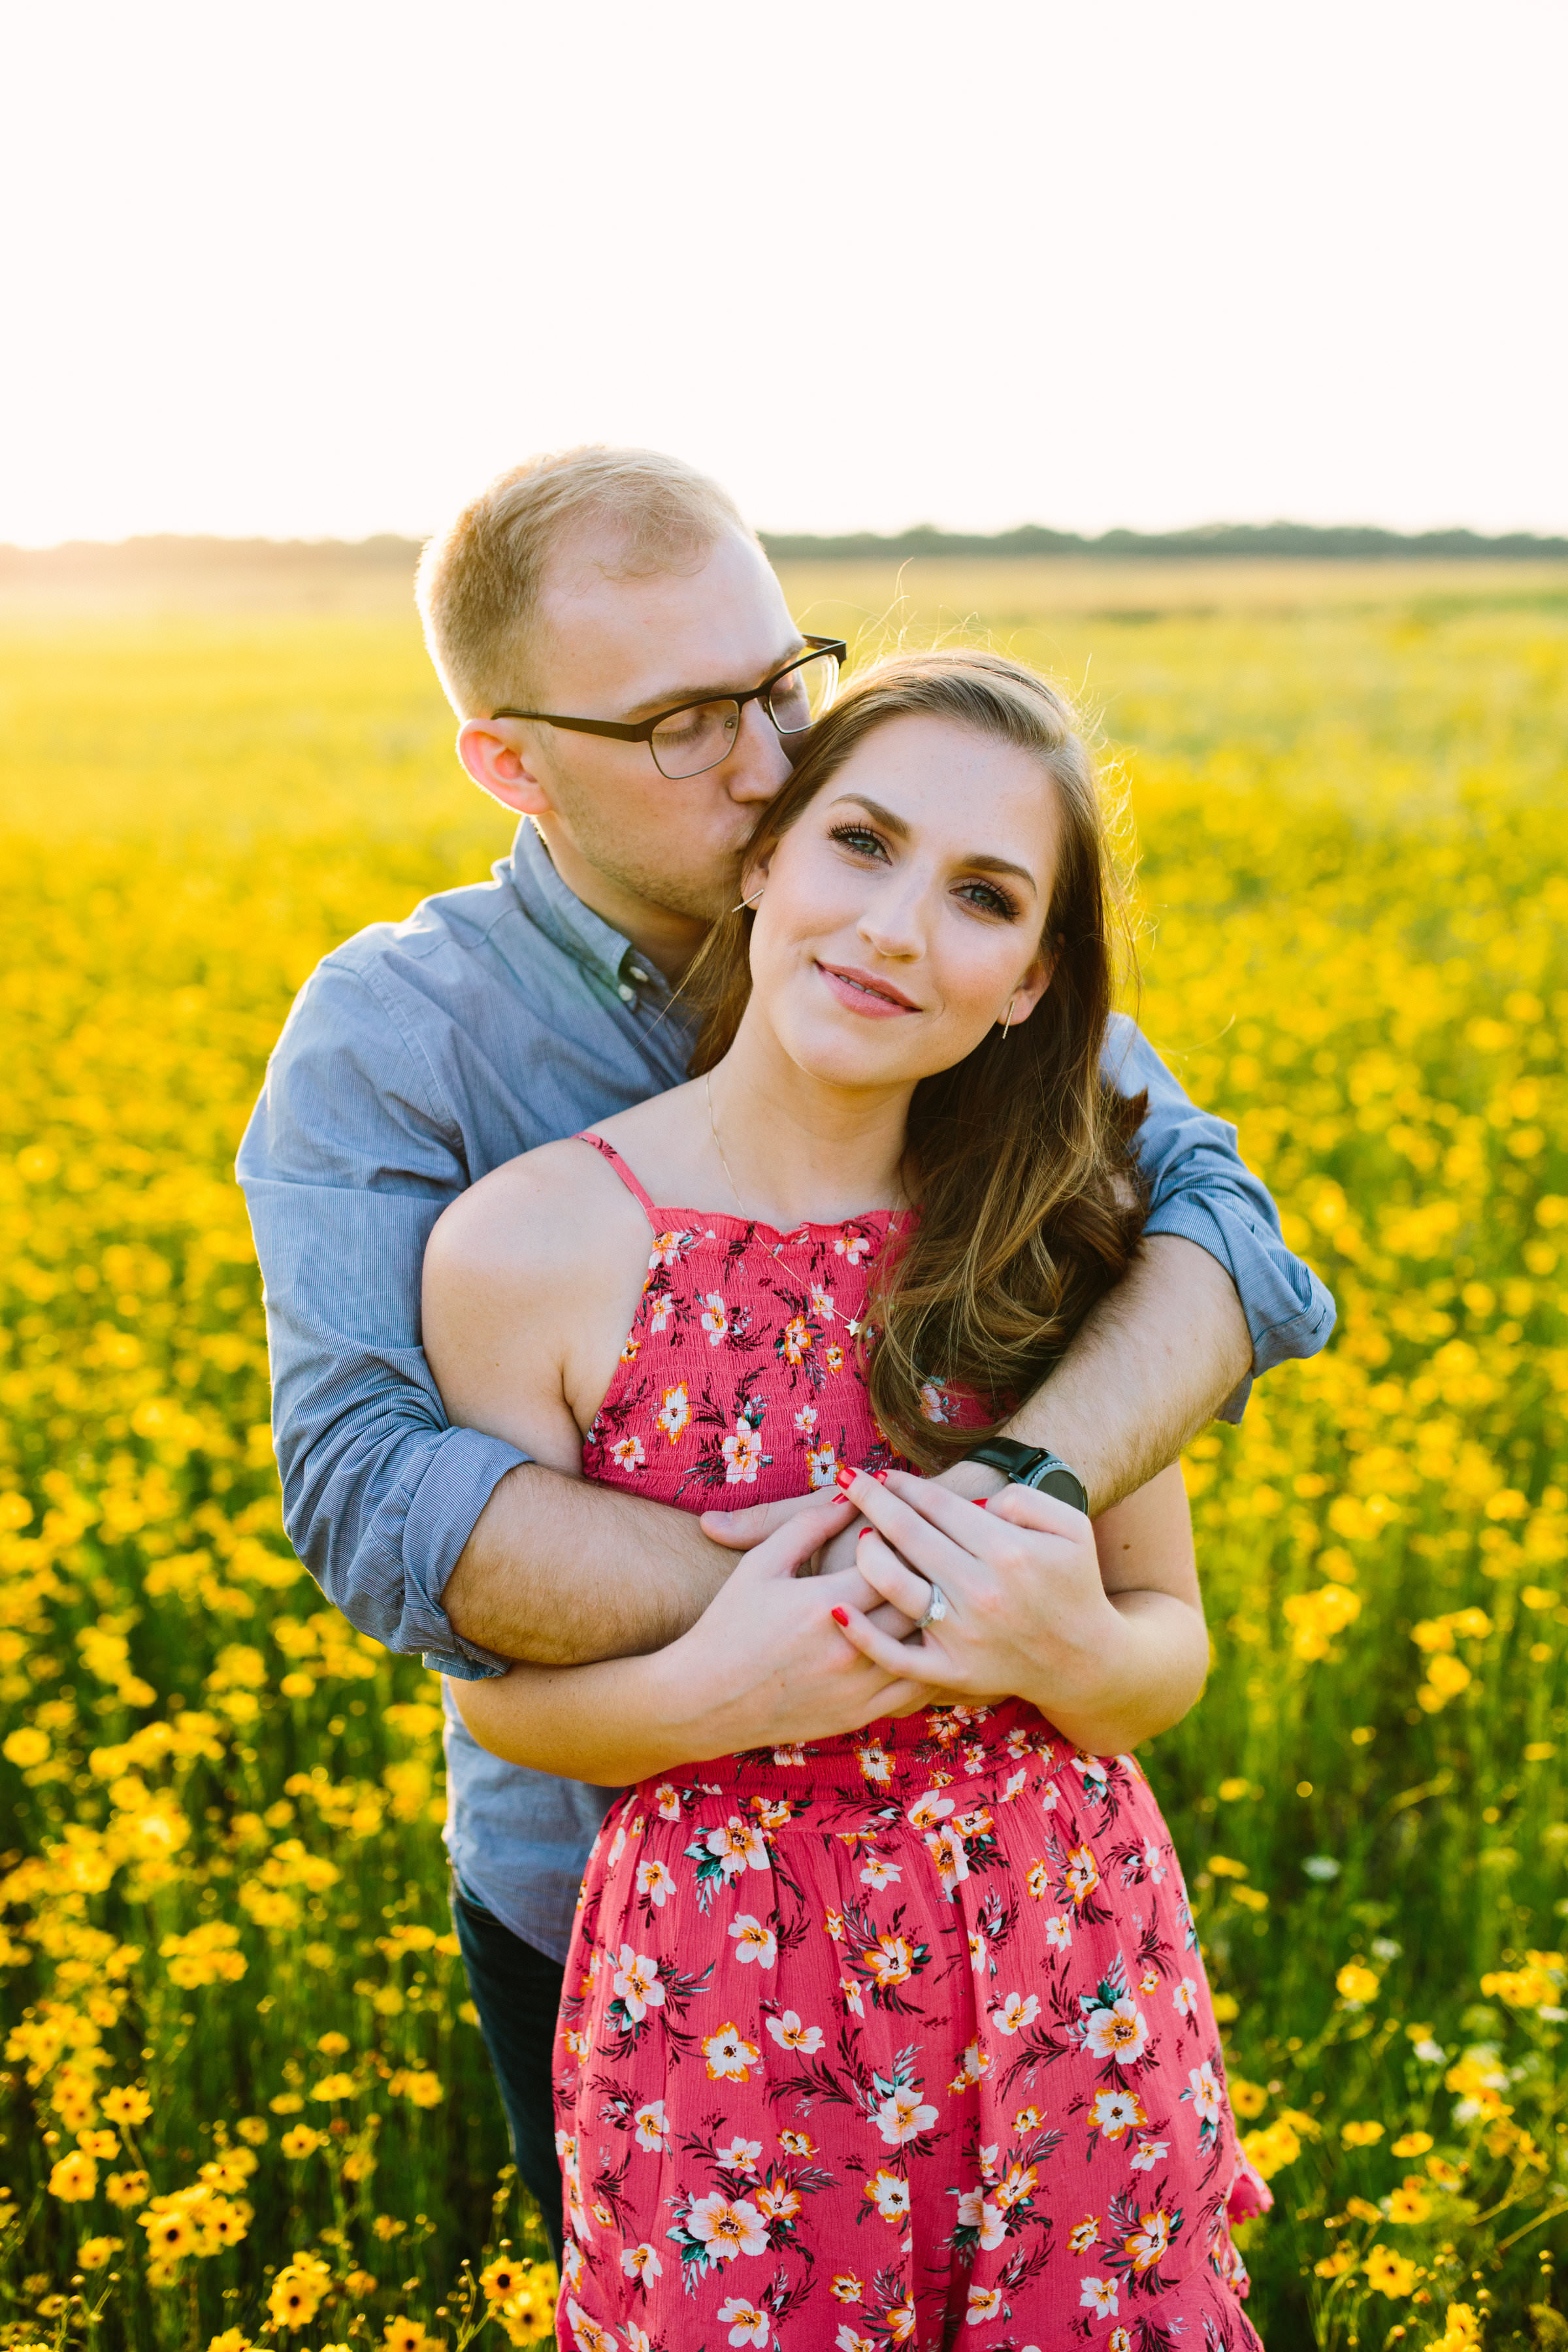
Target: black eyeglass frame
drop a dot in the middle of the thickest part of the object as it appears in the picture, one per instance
(643, 730)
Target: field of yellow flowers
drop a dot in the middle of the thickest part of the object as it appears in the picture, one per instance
(242, 2099)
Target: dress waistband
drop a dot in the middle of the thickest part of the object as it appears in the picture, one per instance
(890, 1761)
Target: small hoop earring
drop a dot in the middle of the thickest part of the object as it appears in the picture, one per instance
(1008, 1022)
(750, 901)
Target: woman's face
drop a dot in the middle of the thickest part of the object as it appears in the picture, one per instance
(902, 912)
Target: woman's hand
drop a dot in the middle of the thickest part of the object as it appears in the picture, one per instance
(767, 1655)
(1023, 1580)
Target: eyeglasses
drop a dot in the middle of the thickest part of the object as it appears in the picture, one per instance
(696, 736)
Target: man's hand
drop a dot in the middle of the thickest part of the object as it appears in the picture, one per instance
(740, 1530)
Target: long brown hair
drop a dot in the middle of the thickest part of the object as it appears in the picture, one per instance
(1019, 1155)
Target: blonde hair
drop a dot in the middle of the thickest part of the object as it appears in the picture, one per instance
(478, 590)
(1020, 1155)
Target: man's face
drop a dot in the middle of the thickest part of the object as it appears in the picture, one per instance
(626, 838)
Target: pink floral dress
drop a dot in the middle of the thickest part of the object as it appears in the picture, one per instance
(896, 2039)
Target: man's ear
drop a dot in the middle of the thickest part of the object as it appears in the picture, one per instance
(496, 755)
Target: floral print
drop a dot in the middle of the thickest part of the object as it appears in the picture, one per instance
(897, 2040)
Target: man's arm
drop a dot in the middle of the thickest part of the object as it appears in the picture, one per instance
(1156, 1358)
(348, 1159)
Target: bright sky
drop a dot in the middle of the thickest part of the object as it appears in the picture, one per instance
(322, 266)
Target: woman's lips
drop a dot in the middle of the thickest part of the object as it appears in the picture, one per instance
(858, 992)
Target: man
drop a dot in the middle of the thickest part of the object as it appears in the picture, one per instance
(603, 621)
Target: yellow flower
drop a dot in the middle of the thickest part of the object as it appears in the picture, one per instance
(334, 2086)
(1461, 2329)
(25, 1747)
(1248, 2099)
(1445, 2175)
(1356, 1982)
(295, 2297)
(502, 2277)
(1409, 2203)
(1272, 2148)
(101, 2144)
(253, 2129)
(1335, 2265)
(1361, 2135)
(359, 2283)
(1414, 2143)
(126, 2189)
(1389, 2272)
(300, 2142)
(74, 2178)
(332, 2045)
(171, 2231)
(403, 2335)
(94, 2253)
(417, 2083)
(126, 2105)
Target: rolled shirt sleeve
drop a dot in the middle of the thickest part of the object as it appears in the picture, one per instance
(1201, 1190)
(348, 1159)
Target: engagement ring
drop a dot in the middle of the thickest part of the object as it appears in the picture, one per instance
(936, 1609)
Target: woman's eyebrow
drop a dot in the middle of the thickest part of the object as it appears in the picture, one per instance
(981, 860)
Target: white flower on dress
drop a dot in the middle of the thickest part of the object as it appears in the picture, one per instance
(890, 2195)
(741, 2156)
(724, 2228)
(822, 1303)
(1184, 1999)
(742, 1452)
(731, 2057)
(877, 1873)
(739, 1846)
(973, 2066)
(673, 1413)
(627, 1453)
(1059, 1932)
(806, 1419)
(637, 1983)
(1098, 2295)
(929, 1811)
(1119, 2032)
(1203, 2092)
(747, 2325)
(1018, 2011)
(985, 2302)
(1115, 2111)
(1149, 2153)
(821, 1466)
(855, 1247)
(903, 2116)
(656, 1883)
(756, 1942)
(590, 2336)
(650, 2126)
(641, 2262)
(791, 2034)
(715, 1318)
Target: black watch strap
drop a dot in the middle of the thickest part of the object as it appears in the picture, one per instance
(1036, 1466)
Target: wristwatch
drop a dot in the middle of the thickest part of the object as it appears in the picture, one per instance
(1036, 1466)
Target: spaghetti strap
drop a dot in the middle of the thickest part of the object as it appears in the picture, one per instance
(643, 1198)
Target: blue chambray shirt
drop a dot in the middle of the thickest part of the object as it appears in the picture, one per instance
(418, 1056)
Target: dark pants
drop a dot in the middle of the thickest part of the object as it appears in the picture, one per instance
(517, 1992)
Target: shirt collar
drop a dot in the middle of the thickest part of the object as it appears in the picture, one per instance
(573, 927)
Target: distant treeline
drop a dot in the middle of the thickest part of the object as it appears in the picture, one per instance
(1337, 542)
(169, 556)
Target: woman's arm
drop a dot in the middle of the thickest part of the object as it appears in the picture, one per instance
(764, 1666)
(1100, 1626)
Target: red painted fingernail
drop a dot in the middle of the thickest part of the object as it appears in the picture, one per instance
(839, 1617)
(880, 1476)
(979, 1501)
(844, 1475)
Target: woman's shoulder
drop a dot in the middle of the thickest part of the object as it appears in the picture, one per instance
(559, 1211)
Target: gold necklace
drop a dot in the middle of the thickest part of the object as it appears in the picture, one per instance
(714, 1131)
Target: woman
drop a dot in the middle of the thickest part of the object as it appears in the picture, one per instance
(901, 2031)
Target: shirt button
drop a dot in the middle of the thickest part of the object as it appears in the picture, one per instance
(625, 993)
(637, 972)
